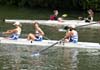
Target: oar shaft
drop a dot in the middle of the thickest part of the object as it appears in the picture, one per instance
(48, 47)
(46, 37)
(86, 25)
(66, 27)
(51, 46)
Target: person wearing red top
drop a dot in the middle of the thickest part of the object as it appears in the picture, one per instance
(54, 16)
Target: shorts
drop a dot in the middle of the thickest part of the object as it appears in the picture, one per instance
(40, 38)
(14, 37)
(73, 41)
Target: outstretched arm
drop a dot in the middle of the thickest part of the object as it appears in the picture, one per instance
(10, 31)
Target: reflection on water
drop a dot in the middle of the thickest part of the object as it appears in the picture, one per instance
(18, 57)
(89, 60)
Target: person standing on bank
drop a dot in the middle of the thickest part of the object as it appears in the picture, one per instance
(15, 33)
(38, 36)
(71, 35)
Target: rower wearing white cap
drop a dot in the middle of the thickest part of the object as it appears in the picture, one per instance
(71, 35)
(15, 33)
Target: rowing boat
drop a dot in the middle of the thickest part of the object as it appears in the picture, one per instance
(92, 24)
(21, 41)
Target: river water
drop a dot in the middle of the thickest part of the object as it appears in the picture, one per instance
(19, 57)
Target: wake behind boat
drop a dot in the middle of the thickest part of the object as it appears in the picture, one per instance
(91, 24)
(46, 43)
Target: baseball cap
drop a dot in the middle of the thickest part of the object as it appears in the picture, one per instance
(17, 23)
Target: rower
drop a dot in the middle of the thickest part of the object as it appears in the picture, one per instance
(90, 16)
(15, 33)
(71, 35)
(54, 16)
(38, 36)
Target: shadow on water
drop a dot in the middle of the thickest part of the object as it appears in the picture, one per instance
(18, 57)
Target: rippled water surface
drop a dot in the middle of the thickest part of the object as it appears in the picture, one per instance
(19, 57)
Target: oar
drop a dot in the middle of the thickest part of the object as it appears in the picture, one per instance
(41, 51)
(46, 37)
(87, 24)
(66, 27)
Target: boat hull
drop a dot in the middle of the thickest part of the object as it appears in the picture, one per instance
(47, 43)
(57, 23)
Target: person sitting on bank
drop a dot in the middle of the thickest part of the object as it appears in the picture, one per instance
(15, 33)
(71, 35)
(54, 16)
(38, 36)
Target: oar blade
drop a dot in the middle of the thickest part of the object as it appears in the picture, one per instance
(35, 54)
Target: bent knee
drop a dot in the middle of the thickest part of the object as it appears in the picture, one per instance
(30, 34)
(66, 40)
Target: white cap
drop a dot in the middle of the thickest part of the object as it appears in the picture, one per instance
(16, 23)
(72, 26)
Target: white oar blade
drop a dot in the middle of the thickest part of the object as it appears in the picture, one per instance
(35, 54)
